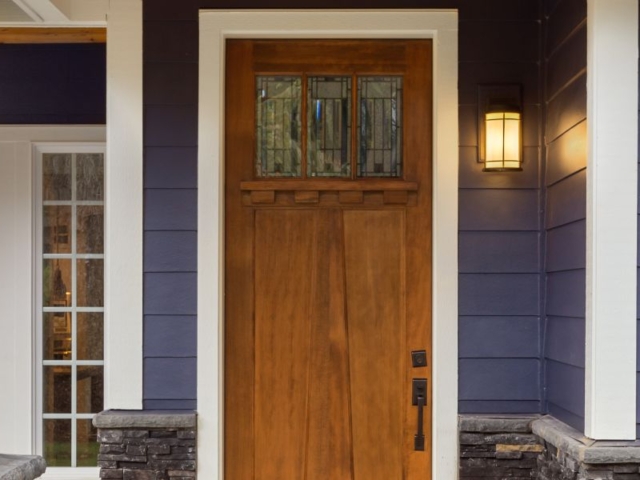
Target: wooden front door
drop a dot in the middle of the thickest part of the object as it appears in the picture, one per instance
(328, 259)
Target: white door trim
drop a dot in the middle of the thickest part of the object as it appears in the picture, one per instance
(215, 28)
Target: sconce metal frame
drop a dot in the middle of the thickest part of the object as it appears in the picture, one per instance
(499, 98)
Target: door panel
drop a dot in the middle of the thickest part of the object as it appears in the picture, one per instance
(328, 283)
(374, 253)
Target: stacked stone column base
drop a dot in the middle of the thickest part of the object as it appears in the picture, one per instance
(518, 447)
(147, 445)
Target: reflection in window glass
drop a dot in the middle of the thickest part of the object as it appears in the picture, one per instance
(278, 126)
(90, 336)
(379, 126)
(90, 282)
(56, 176)
(72, 306)
(87, 444)
(89, 387)
(57, 442)
(329, 126)
(57, 389)
(90, 176)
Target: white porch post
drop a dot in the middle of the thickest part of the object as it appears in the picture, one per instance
(124, 193)
(612, 195)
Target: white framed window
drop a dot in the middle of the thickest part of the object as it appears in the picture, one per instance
(69, 212)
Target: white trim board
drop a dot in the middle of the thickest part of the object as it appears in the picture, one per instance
(215, 28)
(612, 199)
(124, 222)
(18, 361)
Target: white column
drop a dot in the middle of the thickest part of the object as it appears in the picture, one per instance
(124, 192)
(612, 198)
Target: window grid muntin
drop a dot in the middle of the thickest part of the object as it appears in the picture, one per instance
(73, 309)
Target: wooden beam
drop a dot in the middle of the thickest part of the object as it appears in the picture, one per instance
(53, 35)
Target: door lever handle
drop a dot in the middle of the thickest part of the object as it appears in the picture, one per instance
(419, 399)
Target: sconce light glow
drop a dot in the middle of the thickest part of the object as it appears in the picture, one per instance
(503, 139)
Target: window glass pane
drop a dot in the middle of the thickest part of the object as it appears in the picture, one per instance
(56, 283)
(89, 389)
(87, 444)
(329, 126)
(278, 126)
(56, 237)
(380, 126)
(90, 336)
(57, 336)
(90, 283)
(57, 389)
(56, 176)
(57, 443)
(72, 279)
(90, 229)
(90, 175)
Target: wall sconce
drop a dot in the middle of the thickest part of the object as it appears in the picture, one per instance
(500, 125)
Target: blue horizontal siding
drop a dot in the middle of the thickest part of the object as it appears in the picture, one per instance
(499, 337)
(170, 293)
(499, 252)
(567, 154)
(501, 210)
(173, 167)
(170, 209)
(499, 406)
(179, 373)
(563, 332)
(495, 294)
(567, 108)
(567, 200)
(170, 251)
(567, 61)
(565, 387)
(566, 247)
(53, 84)
(170, 336)
(566, 294)
(171, 126)
(499, 379)
(565, 192)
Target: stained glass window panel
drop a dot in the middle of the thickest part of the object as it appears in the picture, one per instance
(380, 126)
(278, 126)
(329, 127)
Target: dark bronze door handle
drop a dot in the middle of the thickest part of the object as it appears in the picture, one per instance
(419, 399)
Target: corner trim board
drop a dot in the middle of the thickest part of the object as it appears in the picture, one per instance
(612, 199)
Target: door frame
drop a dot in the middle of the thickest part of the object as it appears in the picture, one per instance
(215, 27)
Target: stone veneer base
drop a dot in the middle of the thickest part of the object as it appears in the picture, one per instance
(515, 447)
(147, 445)
(21, 467)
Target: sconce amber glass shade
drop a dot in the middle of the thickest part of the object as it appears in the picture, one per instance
(503, 140)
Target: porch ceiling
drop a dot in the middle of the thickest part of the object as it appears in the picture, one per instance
(40, 13)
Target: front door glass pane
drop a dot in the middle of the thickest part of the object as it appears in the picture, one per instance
(380, 126)
(278, 126)
(329, 126)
